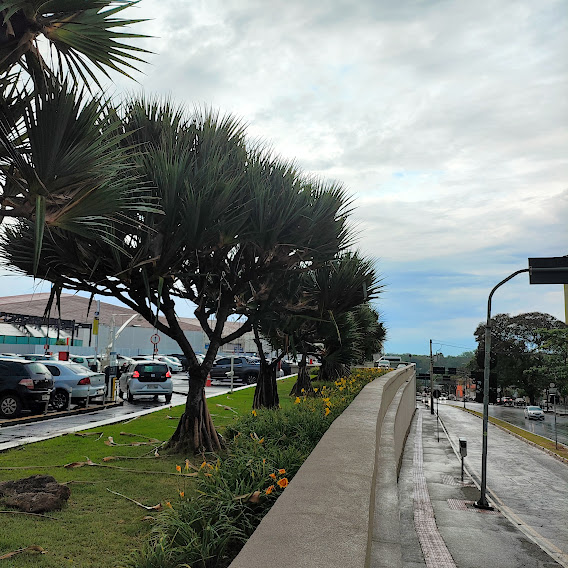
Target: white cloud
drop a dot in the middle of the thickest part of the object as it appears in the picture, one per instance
(446, 120)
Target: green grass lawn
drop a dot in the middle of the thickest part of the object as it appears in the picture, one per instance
(98, 528)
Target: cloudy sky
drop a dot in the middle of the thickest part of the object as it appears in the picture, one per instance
(446, 121)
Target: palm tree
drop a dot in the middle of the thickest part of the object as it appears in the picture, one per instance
(351, 339)
(60, 164)
(337, 288)
(80, 34)
(235, 220)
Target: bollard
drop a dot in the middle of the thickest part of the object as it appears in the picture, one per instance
(463, 453)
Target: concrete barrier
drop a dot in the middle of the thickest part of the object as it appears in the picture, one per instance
(341, 508)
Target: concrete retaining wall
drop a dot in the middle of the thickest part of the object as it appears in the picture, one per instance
(327, 517)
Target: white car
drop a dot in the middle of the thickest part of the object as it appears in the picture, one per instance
(534, 413)
(71, 380)
(172, 362)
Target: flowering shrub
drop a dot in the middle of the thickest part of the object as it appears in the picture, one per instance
(265, 448)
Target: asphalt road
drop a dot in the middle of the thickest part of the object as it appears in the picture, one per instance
(515, 415)
(527, 484)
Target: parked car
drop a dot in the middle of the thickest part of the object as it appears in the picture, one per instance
(87, 361)
(246, 370)
(23, 385)
(173, 363)
(534, 413)
(76, 381)
(520, 402)
(149, 377)
(37, 357)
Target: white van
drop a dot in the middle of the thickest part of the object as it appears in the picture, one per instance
(383, 364)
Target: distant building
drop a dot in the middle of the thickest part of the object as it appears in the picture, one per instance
(23, 329)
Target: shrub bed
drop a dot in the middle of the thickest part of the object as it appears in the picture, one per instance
(234, 490)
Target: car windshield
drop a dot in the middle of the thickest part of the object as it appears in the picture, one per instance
(535, 408)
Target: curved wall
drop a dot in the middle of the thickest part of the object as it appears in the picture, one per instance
(341, 508)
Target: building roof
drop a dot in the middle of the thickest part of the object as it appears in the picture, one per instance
(75, 307)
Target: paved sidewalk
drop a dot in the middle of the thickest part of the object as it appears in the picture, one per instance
(440, 528)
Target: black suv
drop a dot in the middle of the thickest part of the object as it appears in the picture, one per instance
(23, 385)
(246, 370)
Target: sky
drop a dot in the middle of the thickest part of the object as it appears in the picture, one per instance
(446, 121)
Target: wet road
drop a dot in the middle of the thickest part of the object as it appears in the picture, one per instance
(515, 415)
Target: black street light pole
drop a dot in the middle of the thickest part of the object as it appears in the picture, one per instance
(483, 503)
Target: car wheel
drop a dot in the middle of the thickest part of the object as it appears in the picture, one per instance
(248, 379)
(129, 396)
(168, 398)
(10, 406)
(59, 399)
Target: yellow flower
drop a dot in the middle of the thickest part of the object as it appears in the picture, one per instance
(269, 490)
(204, 464)
(282, 482)
(182, 494)
(316, 389)
(303, 390)
(253, 412)
(327, 410)
(261, 440)
(297, 401)
(281, 471)
(178, 468)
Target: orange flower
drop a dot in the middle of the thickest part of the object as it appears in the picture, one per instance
(261, 440)
(281, 471)
(273, 475)
(253, 412)
(204, 464)
(269, 490)
(182, 494)
(282, 482)
(168, 504)
(178, 468)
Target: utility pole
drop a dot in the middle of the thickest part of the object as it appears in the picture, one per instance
(431, 381)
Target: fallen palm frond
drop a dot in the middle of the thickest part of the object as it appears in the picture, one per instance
(157, 507)
(224, 407)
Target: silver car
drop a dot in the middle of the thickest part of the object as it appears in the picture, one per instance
(75, 382)
(534, 413)
(149, 377)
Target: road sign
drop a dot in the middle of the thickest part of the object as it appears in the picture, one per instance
(155, 339)
(553, 270)
(439, 370)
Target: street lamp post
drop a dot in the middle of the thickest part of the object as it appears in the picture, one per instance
(482, 503)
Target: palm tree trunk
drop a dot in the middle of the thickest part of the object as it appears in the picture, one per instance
(303, 384)
(195, 432)
(266, 391)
